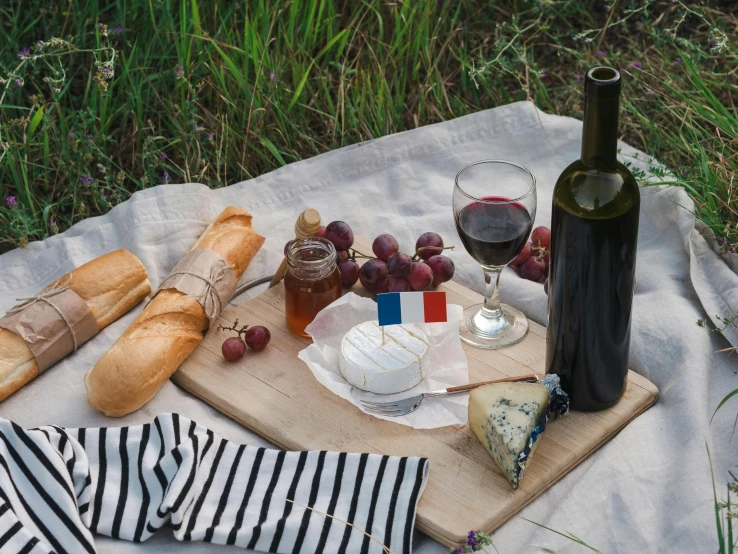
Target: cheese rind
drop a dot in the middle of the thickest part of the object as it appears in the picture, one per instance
(397, 365)
(508, 419)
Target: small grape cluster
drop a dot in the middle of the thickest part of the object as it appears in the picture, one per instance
(389, 270)
(532, 262)
(256, 338)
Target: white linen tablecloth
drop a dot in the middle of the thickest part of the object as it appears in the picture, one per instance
(647, 490)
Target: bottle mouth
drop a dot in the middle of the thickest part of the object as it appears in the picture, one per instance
(602, 83)
(311, 254)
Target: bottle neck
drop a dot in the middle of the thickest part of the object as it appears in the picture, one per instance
(311, 259)
(600, 134)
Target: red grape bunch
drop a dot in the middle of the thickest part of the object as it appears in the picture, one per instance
(390, 270)
(256, 338)
(532, 262)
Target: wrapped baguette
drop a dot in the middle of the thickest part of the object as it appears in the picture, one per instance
(173, 323)
(109, 285)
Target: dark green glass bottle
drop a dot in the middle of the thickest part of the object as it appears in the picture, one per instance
(594, 231)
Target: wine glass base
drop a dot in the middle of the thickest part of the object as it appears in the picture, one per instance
(482, 331)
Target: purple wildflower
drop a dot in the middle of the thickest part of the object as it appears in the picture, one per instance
(640, 25)
(636, 65)
(55, 90)
(86, 180)
(606, 6)
(163, 156)
(18, 83)
(199, 128)
(684, 172)
(11, 201)
(100, 170)
(471, 540)
(272, 75)
(580, 78)
(71, 134)
(601, 53)
(166, 177)
(544, 74)
(178, 71)
(678, 60)
(210, 137)
(24, 53)
(148, 121)
(458, 551)
(116, 30)
(52, 224)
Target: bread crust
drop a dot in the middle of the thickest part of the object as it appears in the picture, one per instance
(168, 329)
(110, 285)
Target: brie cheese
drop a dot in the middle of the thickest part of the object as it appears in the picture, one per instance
(397, 365)
(508, 419)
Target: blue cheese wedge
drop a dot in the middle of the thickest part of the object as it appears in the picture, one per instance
(397, 365)
(508, 419)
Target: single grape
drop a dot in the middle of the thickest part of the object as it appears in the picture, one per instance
(349, 273)
(287, 246)
(373, 271)
(382, 286)
(533, 269)
(342, 256)
(399, 265)
(524, 255)
(420, 276)
(541, 236)
(545, 286)
(233, 349)
(320, 233)
(366, 284)
(429, 239)
(257, 337)
(340, 234)
(384, 246)
(398, 284)
(443, 269)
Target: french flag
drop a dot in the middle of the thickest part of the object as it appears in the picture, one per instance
(411, 307)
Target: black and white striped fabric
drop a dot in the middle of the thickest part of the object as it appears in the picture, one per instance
(60, 486)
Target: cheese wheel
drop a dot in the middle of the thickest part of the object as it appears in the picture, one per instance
(397, 365)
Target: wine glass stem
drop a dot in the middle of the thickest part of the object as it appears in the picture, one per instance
(491, 306)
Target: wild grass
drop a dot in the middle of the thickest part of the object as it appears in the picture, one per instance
(98, 100)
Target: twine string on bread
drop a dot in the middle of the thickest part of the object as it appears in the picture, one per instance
(45, 296)
(211, 293)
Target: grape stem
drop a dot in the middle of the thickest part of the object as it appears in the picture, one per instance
(416, 257)
(234, 328)
(355, 253)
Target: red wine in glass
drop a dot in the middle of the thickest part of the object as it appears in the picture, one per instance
(494, 230)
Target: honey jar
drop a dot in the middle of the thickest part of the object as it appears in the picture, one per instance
(311, 283)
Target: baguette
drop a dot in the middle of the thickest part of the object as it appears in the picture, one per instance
(168, 329)
(110, 286)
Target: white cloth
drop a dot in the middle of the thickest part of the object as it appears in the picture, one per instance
(647, 489)
(58, 486)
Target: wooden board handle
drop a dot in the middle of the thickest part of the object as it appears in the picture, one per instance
(470, 386)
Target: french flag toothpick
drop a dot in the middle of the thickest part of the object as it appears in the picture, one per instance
(411, 307)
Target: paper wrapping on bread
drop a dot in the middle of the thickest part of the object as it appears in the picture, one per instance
(43, 329)
(174, 322)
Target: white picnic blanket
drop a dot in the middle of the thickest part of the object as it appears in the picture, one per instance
(647, 490)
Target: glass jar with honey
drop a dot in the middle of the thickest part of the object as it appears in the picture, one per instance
(311, 283)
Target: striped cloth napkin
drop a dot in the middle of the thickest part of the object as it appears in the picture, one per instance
(59, 486)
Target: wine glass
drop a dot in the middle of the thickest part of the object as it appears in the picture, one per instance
(494, 209)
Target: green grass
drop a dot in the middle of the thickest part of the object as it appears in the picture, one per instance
(218, 93)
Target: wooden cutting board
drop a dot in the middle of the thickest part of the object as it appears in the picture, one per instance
(274, 394)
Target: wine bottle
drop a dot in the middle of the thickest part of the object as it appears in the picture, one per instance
(594, 232)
